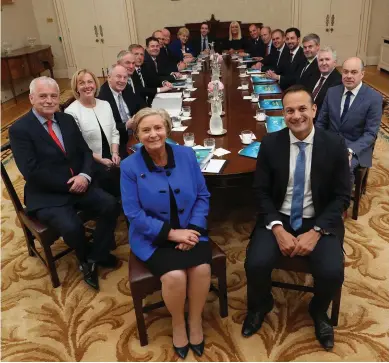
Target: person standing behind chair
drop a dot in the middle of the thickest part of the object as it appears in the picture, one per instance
(301, 191)
(353, 110)
(95, 119)
(166, 201)
(181, 48)
(57, 166)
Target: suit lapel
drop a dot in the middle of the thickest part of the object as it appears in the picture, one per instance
(112, 102)
(65, 131)
(284, 155)
(317, 155)
(356, 103)
(336, 102)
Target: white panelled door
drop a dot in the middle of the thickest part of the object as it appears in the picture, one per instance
(99, 31)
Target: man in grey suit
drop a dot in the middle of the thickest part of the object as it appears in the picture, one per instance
(353, 110)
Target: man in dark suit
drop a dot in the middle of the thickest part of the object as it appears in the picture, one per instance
(267, 41)
(146, 82)
(353, 110)
(301, 189)
(201, 45)
(255, 46)
(165, 49)
(56, 164)
(329, 76)
(125, 103)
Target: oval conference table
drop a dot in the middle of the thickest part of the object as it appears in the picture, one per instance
(239, 115)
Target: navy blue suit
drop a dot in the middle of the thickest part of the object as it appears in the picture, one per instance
(175, 48)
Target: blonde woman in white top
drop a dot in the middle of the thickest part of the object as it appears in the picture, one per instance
(96, 122)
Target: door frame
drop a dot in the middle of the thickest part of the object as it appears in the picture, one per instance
(65, 33)
(363, 34)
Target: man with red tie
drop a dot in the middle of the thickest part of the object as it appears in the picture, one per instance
(56, 164)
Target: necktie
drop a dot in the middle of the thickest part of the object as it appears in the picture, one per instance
(346, 105)
(49, 124)
(267, 49)
(122, 111)
(305, 68)
(156, 65)
(318, 87)
(204, 45)
(140, 76)
(279, 56)
(131, 84)
(291, 57)
(296, 211)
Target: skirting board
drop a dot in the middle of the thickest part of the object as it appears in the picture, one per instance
(372, 61)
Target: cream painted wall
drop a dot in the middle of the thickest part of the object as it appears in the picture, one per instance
(154, 14)
(379, 26)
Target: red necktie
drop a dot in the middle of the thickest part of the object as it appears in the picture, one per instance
(55, 138)
(318, 87)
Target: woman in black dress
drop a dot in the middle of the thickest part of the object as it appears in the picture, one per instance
(235, 42)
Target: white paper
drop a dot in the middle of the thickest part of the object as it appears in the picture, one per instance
(192, 89)
(200, 147)
(220, 152)
(195, 72)
(181, 128)
(243, 75)
(214, 166)
(183, 77)
(247, 97)
(185, 118)
(242, 66)
(189, 99)
(169, 95)
(253, 138)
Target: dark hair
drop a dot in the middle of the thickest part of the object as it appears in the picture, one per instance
(205, 23)
(151, 39)
(295, 30)
(278, 31)
(297, 88)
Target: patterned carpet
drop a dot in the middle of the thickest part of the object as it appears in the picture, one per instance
(74, 323)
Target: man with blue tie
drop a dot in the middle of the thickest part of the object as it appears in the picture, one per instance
(201, 44)
(301, 188)
(353, 110)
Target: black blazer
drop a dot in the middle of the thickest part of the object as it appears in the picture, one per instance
(149, 90)
(133, 101)
(310, 76)
(255, 48)
(271, 60)
(166, 61)
(330, 179)
(290, 72)
(196, 44)
(44, 166)
(149, 69)
(334, 79)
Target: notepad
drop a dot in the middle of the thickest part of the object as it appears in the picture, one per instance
(214, 166)
(169, 95)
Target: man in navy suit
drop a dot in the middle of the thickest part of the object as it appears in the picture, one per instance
(353, 110)
(201, 44)
(301, 189)
(56, 164)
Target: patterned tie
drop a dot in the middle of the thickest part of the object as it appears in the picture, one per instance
(318, 87)
(296, 211)
(346, 105)
(156, 65)
(204, 45)
(49, 124)
(131, 84)
(140, 76)
(122, 111)
(305, 68)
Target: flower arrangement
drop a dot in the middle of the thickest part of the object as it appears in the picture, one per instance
(211, 85)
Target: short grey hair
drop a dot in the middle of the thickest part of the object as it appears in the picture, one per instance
(312, 36)
(145, 112)
(43, 79)
(122, 54)
(113, 67)
(329, 50)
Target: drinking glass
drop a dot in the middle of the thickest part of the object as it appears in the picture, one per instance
(254, 97)
(247, 136)
(210, 142)
(186, 93)
(260, 115)
(176, 121)
(189, 139)
(186, 111)
(245, 84)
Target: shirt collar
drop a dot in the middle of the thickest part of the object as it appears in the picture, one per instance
(149, 162)
(206, 37)
(40, 118)
(354, 91)
(311, 60)
(115, 93)
(282, 48)
(295, 50)
(308, 139)
(326, 76)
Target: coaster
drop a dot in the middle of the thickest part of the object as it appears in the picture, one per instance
(222, 133)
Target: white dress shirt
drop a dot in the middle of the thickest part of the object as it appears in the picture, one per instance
(352, 98)
(308, 209)
(269, 46)
(294, 52)
(88, 120)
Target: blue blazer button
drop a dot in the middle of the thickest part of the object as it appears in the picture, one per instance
(168, 173)
(143, 176)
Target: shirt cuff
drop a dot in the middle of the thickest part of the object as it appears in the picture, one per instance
(87, 177)
(272, 224)
(351, 151)
(161, 239)
(158, 90)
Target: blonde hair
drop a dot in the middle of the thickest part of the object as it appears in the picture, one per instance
(183, 31)
(239, 30)
(81, 72)
(145, 112)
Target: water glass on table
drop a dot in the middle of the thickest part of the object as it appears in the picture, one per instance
(186, 93)
(186, 111)
(176, 121)
(254, 97)
(210, 142)
(189, 139)
(260, 114)
(245, 84)
(247, 137)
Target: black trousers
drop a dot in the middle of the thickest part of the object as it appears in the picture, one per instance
(326, 264)
(96, 203)
(107, 179)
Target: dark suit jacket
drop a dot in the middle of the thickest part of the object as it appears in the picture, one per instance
(151, 83)
(133, 101)
(271, 60)
(149, 68)
(310, 76)
(168, 61)
(361, 123)
(44, 166)
(334, 79)
(330, 179)
(197, 44)
(175, 48)
(290, 72)
(255, 49)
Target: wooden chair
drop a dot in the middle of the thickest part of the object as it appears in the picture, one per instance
(143, 283)
(300, 264)
(35, 230)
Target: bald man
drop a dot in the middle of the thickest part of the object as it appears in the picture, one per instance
(353, 110)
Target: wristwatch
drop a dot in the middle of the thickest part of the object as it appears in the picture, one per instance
(319, 229)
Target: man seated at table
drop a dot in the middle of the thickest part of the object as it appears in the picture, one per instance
(146, 82)
(56, 164)
(124, 103)
(353, 110)
(255, 46)
(301, 188)
(201, 45)
(267, 41)
(166, 47)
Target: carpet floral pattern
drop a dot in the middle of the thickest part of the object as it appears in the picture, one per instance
(75, 323)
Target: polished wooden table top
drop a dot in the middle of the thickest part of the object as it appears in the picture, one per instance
(239, 116)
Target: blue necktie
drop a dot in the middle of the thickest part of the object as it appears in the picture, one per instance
(296, 211)
(346, 105)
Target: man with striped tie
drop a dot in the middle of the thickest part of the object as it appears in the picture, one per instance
(301, 188)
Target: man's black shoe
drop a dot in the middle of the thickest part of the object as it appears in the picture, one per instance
(89, 271)
(253, 321)
(323, 329)
(110, 261)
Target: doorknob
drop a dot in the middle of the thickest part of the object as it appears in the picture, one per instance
(95, 27)
(97, 40)
(327, 30)
(332, 29)
(101, 31)
(102, 40)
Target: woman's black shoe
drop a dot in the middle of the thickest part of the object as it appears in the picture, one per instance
(182, 352)
(198, 349)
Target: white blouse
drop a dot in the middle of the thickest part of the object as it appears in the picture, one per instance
(86, 119)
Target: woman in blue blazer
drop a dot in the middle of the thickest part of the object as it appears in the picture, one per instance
(180, 48)
(166, 201)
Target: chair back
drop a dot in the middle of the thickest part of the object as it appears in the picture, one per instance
(8, 184)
